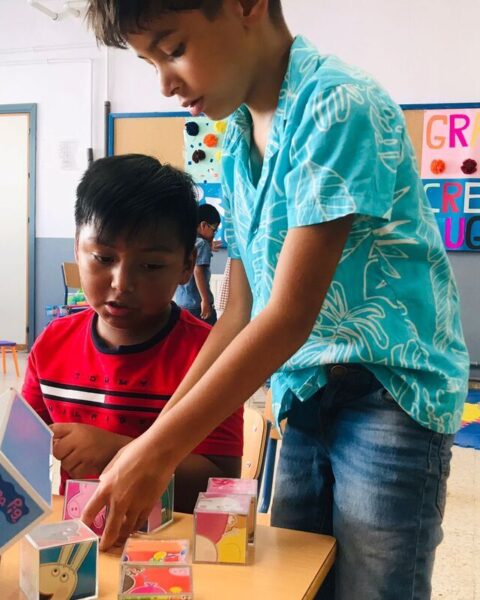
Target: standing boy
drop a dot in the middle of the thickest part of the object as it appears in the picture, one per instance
(196, 295)
(340, 286)
(101, 377)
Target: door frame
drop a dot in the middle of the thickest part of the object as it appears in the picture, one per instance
(31, 110)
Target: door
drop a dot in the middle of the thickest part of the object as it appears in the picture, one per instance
(15, 231)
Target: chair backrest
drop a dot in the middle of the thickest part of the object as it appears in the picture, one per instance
(255, 434)
(71, 277)
(270, 457)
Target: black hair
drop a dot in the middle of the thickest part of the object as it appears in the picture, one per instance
(209, 214)
(112, 20)
(133, 193)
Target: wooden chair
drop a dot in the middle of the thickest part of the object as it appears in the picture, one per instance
(71, 278)
(11, 348)
(255, 434)
(270, 458)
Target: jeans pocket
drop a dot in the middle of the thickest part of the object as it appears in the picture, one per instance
(387, 396)
(444, 457)
(387, 400)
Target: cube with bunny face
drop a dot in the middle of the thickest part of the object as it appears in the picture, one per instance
(59, 561)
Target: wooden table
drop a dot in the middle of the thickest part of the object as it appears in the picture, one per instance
(287, 565)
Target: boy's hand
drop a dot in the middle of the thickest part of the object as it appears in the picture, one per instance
(130, 485)
(216, 245)
(85, 450)
(205, 309)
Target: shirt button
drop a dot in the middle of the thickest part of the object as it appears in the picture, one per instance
(337, 371)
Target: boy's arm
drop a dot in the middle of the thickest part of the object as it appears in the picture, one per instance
(234, 318)
(85, 450)
(305, 269)
(203, 289)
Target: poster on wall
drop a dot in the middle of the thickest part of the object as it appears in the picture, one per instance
(450, 170)
(193, 144)
(203, 139)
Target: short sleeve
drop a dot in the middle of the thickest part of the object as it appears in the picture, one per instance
(344, 156)
(31, 390)
(204, 253)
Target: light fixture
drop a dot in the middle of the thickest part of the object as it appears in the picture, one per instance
(67, 9)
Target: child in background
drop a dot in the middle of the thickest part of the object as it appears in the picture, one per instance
(196, 295)
(102, 376)
(340, 286)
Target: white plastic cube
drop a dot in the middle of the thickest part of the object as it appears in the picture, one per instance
(230, 485)
(25, 459)
(152, 568)
(221, 529)
(60, 561)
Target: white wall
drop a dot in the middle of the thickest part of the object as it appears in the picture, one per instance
(58, 66)
(420, 50)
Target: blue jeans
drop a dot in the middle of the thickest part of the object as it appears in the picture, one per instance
(354, 465)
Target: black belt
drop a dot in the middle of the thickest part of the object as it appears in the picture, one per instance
(340, 370)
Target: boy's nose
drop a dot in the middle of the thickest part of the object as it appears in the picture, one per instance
(122, 279)
(169, 86)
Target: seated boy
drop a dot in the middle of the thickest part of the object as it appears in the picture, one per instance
(196, 295)
(101, 377)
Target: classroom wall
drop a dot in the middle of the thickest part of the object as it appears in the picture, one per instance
(419, 50)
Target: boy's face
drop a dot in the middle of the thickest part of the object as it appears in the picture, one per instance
(207, 230)
(130, 282)
(207, 64)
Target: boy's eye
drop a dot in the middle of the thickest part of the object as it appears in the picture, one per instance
(178, 52)
(103, 260)
(151, 64)
(152, 266)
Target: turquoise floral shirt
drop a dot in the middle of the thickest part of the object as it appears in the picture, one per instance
(338, 145)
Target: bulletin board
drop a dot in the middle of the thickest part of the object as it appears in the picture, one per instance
(189, 143)
(446, 139)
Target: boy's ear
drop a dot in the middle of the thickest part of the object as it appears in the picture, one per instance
(254, 11)
(75, 248)
(188, 268)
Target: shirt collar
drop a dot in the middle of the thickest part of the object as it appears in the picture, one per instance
(303, 61)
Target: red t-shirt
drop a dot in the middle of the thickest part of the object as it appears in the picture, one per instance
(72, 377)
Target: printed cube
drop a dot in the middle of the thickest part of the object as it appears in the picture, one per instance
(25, 458)
(77, 493)
(162, 512)
(148, 552)
(220, 528)
(156, 568)
(142, 582)
(59, 560)
(221, 485)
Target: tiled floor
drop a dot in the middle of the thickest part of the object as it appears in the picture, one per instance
(457, 568)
